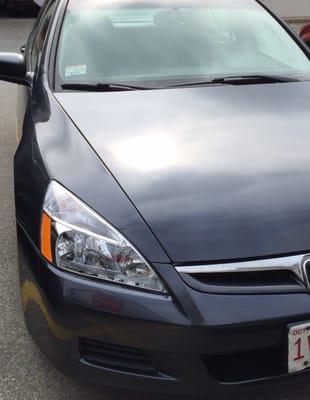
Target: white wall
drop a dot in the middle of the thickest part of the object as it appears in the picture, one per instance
(291, 8)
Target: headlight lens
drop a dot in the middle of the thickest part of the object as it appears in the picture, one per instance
(80, 241)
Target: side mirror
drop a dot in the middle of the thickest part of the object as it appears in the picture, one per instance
(13, 69)
(305, 34)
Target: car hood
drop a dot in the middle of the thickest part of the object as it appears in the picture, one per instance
(218, 173)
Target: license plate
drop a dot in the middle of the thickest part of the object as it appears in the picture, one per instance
(299, 347)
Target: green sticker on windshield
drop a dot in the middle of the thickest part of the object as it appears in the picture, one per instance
(76, 70)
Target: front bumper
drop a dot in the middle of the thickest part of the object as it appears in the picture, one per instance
(191, 344)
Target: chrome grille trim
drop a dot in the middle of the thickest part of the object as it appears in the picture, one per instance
(295, 264)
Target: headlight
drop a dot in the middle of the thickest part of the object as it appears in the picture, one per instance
(76, 239)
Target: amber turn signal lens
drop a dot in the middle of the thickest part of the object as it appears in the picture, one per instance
(46, 244)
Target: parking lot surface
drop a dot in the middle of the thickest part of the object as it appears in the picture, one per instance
(24, 375)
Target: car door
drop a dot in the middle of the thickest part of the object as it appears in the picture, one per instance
(33, 53)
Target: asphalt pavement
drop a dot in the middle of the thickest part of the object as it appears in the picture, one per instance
(24, 375)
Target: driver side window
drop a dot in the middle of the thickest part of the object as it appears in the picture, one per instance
(40, 36)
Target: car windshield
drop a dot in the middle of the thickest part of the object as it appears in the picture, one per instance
(162, 43)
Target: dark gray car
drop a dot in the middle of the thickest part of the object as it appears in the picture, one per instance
(162, 187)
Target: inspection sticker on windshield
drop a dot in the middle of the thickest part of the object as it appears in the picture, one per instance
(298, 347)
(76, 70)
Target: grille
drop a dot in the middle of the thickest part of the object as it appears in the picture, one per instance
(307, 273)
(245, 282)
(275, 275)
(246, 279)
(118, 358)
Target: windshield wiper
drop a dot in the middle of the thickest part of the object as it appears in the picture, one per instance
(102, 87)
(240, 80)
(243, 79)
(227, 80)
